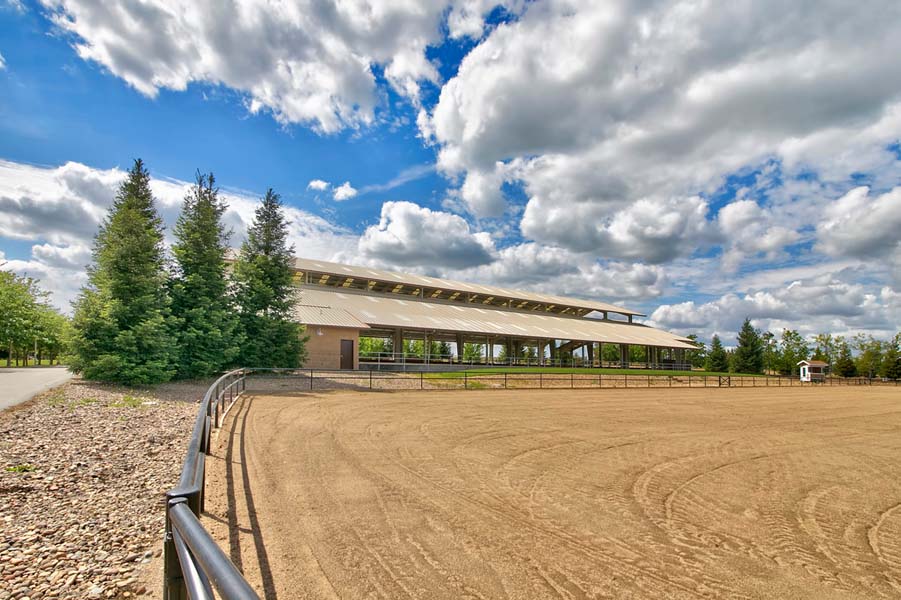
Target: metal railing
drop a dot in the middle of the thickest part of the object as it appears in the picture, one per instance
(194, 564)
(419, 358)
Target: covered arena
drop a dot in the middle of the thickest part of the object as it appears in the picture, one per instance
(457, 324)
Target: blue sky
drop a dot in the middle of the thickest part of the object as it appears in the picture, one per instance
(702, 166)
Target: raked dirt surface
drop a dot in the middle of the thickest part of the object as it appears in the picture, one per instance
(782, 493)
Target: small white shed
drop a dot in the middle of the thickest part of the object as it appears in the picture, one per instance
(813, 370)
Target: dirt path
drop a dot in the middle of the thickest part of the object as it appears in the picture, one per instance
(583, 494)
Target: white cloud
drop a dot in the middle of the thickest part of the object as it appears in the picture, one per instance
(2, 63)
(657, 102)
(410, 235)
(344, 192)
(862, 226)
(749, 230)
(317, 184)
(832, 302)
(555, 270)
(60, 208)
(307, 62)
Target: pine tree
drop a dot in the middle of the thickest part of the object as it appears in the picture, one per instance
(749, 352)
(207, 326)
(123, 326)
(717, 360)
(844, 365)
(265, 292)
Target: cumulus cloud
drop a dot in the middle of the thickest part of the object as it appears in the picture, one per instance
(307, 62)
(832, 302)
(60, 209)
(861, 225)
(410, 235)
(555, 270)
(749, 230)
(344, 192)
(2, 62)
(658, 102)
(318, 185)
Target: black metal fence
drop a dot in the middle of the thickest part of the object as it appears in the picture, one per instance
(287, 380)
(194, 564)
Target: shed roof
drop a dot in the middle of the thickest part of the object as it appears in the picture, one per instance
(321, 266)
(384, 311)
(813, 363)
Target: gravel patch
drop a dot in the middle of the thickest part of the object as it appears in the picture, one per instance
(83, 473)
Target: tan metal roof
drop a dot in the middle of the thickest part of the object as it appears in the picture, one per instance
(321, 266)
(385, 311)
(326, 316)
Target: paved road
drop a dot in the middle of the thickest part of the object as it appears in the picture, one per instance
(18, 385)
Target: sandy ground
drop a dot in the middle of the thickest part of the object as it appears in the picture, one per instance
(739, 493)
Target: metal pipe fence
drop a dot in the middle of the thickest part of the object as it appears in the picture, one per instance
(373, 379)
(193, 563)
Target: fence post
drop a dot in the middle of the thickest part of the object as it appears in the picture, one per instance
(421, 375)
(465, 380)
(370, 379)
(572, 383)
(626, 379)
(173, 579)
(540, 381)
(505, 380)
(311, 379)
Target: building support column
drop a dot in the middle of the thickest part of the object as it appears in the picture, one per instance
(398, 343)
(624, 355)
(459, 347)
(489, 354)
(591, 354)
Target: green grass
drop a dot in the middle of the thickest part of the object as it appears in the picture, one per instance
(31, 363)
(24, 468)
(577, 371)
(128, 401)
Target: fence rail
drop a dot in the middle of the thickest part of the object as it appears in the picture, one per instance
(322, 379)
(195, 565)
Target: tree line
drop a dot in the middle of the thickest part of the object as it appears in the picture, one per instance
(31, 330)
(764, 352)
(147, 316)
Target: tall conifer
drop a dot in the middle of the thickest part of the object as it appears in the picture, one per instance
(749, 352)
(123, 326)
(265, 291)
(207, 324)
(717, 360)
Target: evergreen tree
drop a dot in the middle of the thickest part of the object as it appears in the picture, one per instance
(717, 360)
(844, 364)
(891, 359)
(265, 292)
(207, 326)
(749, 352)
(123, 327)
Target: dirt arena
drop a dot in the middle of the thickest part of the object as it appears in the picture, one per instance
(737, 493)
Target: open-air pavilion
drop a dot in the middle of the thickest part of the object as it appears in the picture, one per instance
(340, 304)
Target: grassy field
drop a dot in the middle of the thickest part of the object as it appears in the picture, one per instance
(31, 363)
(580, 371)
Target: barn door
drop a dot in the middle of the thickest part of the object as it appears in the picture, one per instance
(347, 354)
